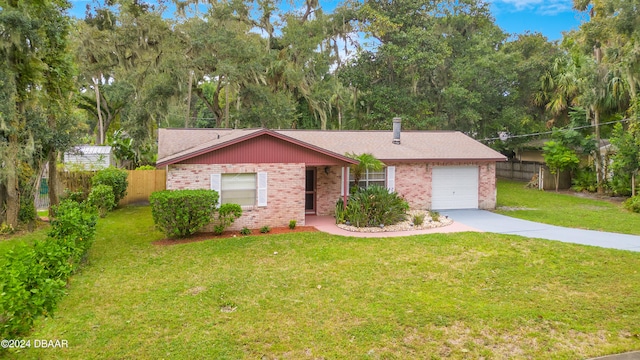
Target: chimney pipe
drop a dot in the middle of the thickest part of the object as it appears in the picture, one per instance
(397, 122)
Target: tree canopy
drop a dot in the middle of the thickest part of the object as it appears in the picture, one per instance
(130, 67)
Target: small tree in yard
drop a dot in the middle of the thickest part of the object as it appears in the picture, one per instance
(626, 159)
(559, 158)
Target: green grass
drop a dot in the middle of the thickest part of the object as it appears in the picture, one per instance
(7, 242)
(459, 296)
(565, 210)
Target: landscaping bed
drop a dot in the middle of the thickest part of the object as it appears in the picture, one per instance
(202, 236)
(406, 225)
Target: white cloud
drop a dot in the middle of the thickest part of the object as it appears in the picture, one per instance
(542, 7)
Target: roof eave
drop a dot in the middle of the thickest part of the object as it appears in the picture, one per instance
(177, 159)
(444, 159)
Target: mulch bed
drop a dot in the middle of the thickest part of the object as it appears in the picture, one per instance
(230, 234)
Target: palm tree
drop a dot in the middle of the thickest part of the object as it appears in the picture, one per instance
(366, 162)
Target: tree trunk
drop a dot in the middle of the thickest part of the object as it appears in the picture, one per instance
(186, 120)
(13, 190)
(226, 105)
(598, 155)
(557, 180)
(53, 180)
(100, 136)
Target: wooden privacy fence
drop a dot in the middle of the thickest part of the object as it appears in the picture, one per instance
(526, 170)
(517, 170)
(142, 183)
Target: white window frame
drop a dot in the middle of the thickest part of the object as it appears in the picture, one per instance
(217, 185)
(367, 181)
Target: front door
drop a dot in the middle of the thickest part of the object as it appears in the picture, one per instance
(310, 191)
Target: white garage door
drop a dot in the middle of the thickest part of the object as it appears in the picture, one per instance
(454, 187)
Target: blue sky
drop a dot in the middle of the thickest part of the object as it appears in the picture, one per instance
(549, 17)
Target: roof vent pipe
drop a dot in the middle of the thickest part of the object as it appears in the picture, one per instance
(397, 122)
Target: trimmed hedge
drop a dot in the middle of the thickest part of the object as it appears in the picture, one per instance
(180, 213)
(33, 278)
(102, 198)
(114, 177)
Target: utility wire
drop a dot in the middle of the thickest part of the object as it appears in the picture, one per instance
(551, 132)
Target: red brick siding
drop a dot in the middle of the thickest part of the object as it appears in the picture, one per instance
(487, 191)
(413, 182)
(328, 190)
(285, 190)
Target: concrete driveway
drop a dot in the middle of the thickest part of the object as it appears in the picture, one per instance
(491, 222)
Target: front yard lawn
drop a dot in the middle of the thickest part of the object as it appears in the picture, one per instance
(567, 210)
(7, 242)
(461, 296)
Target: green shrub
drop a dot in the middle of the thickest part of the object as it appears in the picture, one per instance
(227, 215)
(27, 212)
(114, 177)
(375, 206)
(584, 179)
(28, 291)
(101, 197)
(33, 278)
(179, 213)
(292, 224)
(632, 204)
(73, 220)
(620, 184)
(75, 196)
(435, 216)
(265, 229)
(341, 213)
(418, 219)
(146, 167)
(245, 231)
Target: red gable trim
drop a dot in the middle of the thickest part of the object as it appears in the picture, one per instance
(252, 135)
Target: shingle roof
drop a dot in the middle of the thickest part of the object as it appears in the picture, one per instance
(177, 144)
(414, 145)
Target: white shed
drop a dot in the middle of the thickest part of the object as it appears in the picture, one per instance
(89, 157)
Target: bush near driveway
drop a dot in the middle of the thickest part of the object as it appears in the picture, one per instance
(180, 213)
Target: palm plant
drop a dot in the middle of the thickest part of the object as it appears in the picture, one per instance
(366, 162)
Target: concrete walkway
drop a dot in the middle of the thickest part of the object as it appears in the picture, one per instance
(486, 221)
(328, 224)
(634, 355)
(501, 224)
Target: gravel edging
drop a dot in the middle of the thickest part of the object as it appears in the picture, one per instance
(406, 225)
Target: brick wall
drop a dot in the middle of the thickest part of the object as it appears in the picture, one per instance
(487, 191)
(413, 182)
(328, 190)
(285, 190)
